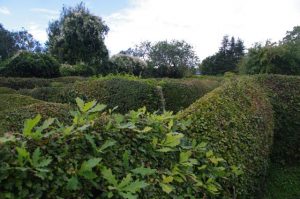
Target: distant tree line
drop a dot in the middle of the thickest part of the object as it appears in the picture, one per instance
(76, 46)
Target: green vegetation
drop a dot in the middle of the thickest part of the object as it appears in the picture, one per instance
(237, 120)
(4, 90)
(134, 155)
(283, 182)
(27, 64)
(284, 94)
(8, 101)
(12, 119)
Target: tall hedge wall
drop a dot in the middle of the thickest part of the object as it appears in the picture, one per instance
(237, 120)
(284, 94)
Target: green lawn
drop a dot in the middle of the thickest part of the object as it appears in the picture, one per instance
(283, 182)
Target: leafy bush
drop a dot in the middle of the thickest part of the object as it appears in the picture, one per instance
(284, 94)
(76, 70)
(128, 64)
(12, 120)
(109, 156)
(127, 94)
(5, 90)
(23, 83)
(9, 101)
(26, 64)
(237, 120)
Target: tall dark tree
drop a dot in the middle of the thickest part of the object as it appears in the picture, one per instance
(7, 43)
(226, 59)
(78, 36)
(11, 42)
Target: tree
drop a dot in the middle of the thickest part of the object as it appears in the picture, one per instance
(122, 63)
(166, 59)
(226, 59)
(78, 36)
(12, 42)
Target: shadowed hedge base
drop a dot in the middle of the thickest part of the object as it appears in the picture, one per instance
(284, 94)
(237, 120)
(12, 120)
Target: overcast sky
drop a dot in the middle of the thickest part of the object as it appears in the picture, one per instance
(202, 23)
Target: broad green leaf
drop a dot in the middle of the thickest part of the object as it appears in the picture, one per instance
(30, 124)
(165, 149)
(135, 186)
(44, 162)
(125, 181)
(97, 108)
(108, 175)
(87, 106)
(167, 179)
(73, 183)
(91, 140)
(166, 187)
(86, 168)
(144, 171)
(172, 139)
(209, 153)
(212, 188)
(36, 156)
(184, 156)
(107, 143)
(23, 155)
(46, 124)
(80, 104)
(128, 195)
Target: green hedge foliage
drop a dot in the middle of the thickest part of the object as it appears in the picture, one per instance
(104, 155)
(129, 93)
(9, 101)
(12, 119)
(284, 94)
(237, 120)
(5, 90)
(23, 83)
(27, 64)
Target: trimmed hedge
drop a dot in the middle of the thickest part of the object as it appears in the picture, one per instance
(28, 64)
(284, 94)
(127, 94)
(13, 119)
(23, 83)
(9, 101)
(237, 120)
(130, 93)
(5, 90)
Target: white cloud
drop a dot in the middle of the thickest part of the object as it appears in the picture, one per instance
(50, 14)
(202, 23)
(38, 32)
(4, 10)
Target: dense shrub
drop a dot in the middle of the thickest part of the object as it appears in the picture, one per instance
(20, 83)
(156, 94)
(5, 90)
(237, 120)
(284, 93)
(137, 155)
(127, 94)
(127, 64)
(76, 70)
(26, 64)
(8, 101)
(13, 119)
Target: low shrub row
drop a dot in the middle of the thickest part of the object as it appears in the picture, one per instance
(129, 93)
(9, 101)
(237, 120)
(12, 119)
(284, 94)
(30, 83)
